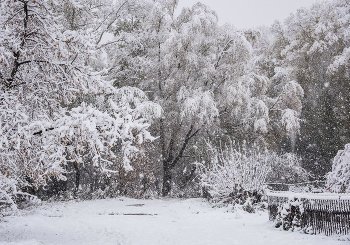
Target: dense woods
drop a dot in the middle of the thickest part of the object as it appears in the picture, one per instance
(101, 98)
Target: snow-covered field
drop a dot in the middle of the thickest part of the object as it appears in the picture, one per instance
(142, 222)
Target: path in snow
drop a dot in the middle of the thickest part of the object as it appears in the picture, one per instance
(147, 222)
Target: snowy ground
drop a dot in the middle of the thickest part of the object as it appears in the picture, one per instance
(143, 222)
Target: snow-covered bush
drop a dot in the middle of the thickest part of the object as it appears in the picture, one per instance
(235, 175)
(240, 175)
(11, 198)
(7, 188)
(289, 214)
(338, 180)
(286, 169)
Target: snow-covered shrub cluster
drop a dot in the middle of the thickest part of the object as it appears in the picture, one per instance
(8, 188)
(290, 214)
(234, 170)
(286, 169)
(338, 180)
(240, 176)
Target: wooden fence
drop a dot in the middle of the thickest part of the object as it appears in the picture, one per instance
(329, 215)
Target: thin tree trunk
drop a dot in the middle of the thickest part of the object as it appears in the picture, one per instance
(167, 178)
(77, 177)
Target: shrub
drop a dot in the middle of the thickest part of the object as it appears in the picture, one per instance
(7, 199)
(289, 214)
(234, 175)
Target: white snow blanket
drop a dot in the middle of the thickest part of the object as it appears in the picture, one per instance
(126, 221)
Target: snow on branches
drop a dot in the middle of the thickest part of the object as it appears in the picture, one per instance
(290, 121)
(7, 187)
(90, 134)
(44, 77)
(340, 61)
(198, 105)
(338, 180)
(231, 170)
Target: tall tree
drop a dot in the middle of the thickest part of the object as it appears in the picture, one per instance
(310, 44)
(201, 74)
(42, 72)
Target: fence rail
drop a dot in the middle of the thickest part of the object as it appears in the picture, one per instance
(327, 214)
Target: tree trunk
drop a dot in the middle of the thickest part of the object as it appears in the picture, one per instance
(166, 178)
(169, 161)
(77, 177)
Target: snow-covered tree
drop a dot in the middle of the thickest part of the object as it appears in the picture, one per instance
(41, 72)
(338, 180)
(310, 47)
(43, 75)
(204, 76)
(163, 60)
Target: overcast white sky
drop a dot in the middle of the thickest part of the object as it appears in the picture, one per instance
(250, 13)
